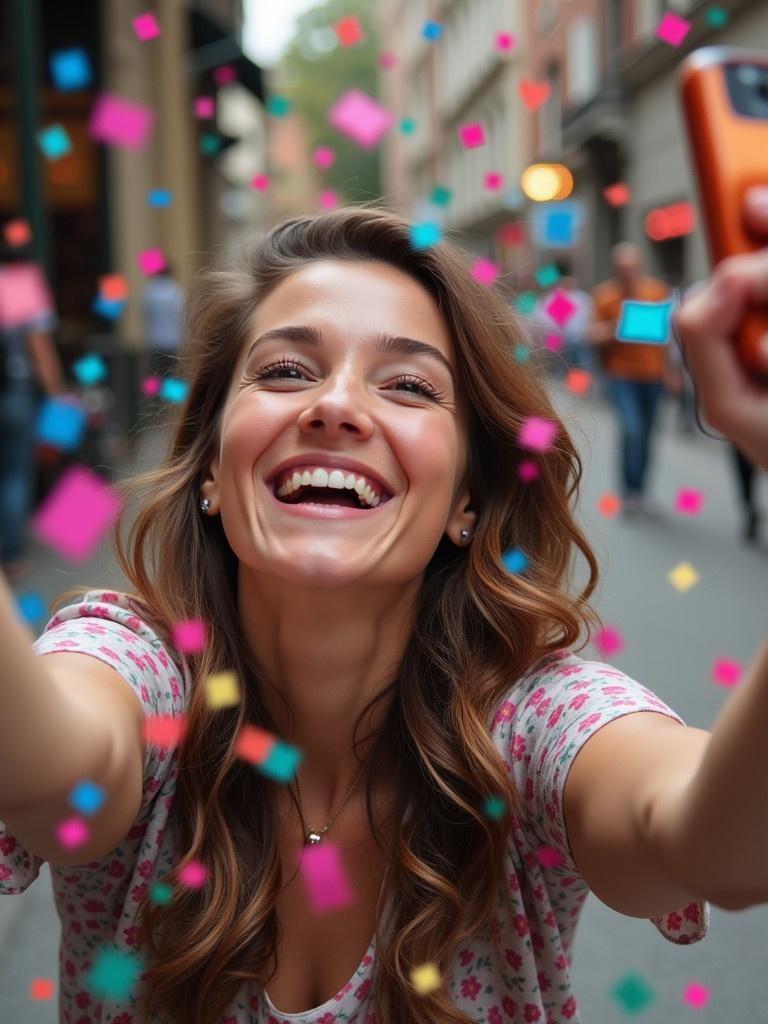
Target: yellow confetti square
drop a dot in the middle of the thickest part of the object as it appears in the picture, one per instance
(426, 978)
(222, 690)
(683, 576)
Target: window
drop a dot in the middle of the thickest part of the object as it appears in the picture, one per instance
(583, 72)
(550, 118)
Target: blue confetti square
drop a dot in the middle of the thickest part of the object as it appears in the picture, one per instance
(281, 762)
(424, 234)
(114, 974)
(87, 797)
(556, 225)
(174, 390)
(70, 69)
(559, 228)
(90, 369)
(110, 309)
(61, 424)
(159, 197)
(644, 322)
(54, 142)
(514, 561)
(31, 607)
(432, 30)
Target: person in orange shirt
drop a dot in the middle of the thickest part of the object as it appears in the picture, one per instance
(635, 373)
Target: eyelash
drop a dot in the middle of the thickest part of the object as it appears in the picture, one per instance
(426, 389)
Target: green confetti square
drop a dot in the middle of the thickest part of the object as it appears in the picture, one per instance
(278, 106)
(716, 17)
(547, 276)
(407, 126)
(522, 354)
(160, 893)
(281, 762)
(526, 302)
(494, 807)
(632, 994)
(441, 196)
(114, 974)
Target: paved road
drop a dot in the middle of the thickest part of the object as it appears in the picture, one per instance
(671, 641)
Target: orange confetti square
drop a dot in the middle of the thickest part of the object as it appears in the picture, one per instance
(608, 505)
(254, 744)
(163, 730)
(578, 382)
(17, 232)
(349, 30)
(113, 287)
(41, 988)
(618, 194)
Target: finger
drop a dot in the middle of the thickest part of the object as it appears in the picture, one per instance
(756, 210)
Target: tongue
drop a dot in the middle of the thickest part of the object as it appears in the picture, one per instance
(325, 496)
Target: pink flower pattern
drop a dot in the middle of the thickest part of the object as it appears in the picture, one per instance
(519, 972)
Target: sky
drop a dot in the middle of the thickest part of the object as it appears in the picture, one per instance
(268, 27)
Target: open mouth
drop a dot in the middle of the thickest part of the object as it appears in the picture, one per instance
(331, 497)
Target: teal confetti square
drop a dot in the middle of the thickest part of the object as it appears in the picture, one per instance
(278, 106)
(424, 234)
(514, 561)
(87, 797)
(526, 302)
(522, 354)
(441, 196)
(547, 276)
(716, 17)
(90, 369)
(54, 142)
(645, 322)
(632, 994)
(114, 974)
(407, 126)
(31, 607)
(173, 390)
(210, 143)
(494, 807)
(160, 893)
(281, 762)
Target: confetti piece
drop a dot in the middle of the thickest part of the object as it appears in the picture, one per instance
(632, 994)
(61, 424)
(193, 875)
(528, 471)
(504, 41)
(555, 225)
(440, 196)
(526, 302)
(537, 434)
(278, 106)
(726, 672)
(54, 142)
(485, 272)
(204, 107)
(31, 606)
(71, 833)
(328, 200)
(40, 989)
(696, 996)
(323, 156)
(114, 974)
(87, 797)
(716, 17)
(254, 744)
(550, 857)
(493, 181)
(349, 30)
(160, 893)
(426, 978)
(120, 122)
(407, 126)
(533, 94)
(683, 576)
(189, 635)
(70, 69)
(553, 342)
(608, 641)
(514, 561)
(222, 690)
(672, 29)
(512, 234)
(24, 294)
(260, 182)
(113, 286)
(360, 118)
(164, 731)
(387, 60)
(646, 322)
(608, 505)
(281, 762)
(17, 232)
(224, 75)
(145, 26)
(150, 385)
(689, 502)
(578, 382)
(472, 135)
(90, 369)
(424, 234)
(159, 197)
(323, 873)
(151, 261)
(109, 310)
(494, 807)
(431, 31)
(173, 390)
(522, 353)
(210, 143)
(547, 276)
(617, 194)
(79, 509)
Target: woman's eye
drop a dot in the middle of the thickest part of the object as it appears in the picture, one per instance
(270, 372)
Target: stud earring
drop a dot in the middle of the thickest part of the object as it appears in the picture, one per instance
(464, 536)
(205, 504)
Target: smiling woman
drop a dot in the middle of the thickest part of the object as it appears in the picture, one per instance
(333, 360)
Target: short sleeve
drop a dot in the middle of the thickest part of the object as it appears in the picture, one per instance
(559, 706)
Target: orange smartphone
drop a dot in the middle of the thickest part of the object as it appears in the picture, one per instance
(724, 92)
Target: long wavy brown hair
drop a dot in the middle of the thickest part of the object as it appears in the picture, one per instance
(478, 628)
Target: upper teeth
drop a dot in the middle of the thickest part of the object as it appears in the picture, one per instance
(291, 480)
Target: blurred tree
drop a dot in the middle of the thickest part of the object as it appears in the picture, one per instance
(314, 71)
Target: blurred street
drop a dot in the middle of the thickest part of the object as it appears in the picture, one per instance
(671, 640)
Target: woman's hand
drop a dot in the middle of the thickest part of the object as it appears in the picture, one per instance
(734, 402)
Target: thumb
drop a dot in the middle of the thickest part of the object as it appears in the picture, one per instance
(756, 209)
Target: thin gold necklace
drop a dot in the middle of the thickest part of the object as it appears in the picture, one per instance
(313, 836)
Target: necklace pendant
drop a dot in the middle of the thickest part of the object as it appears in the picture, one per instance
(313, 837)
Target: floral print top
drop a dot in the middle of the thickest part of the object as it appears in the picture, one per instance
(519, 972)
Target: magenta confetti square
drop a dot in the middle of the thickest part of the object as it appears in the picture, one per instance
(224, 75)
(194, 874)
(387, 60)
(189, 635)
(695, 995)
(260, 182)
(328, 200)
(550, 857)
(528, 471)
(537, 433)
(146, 26)
(554, 342)
(72, 833)
(608, 641)
(76, 513)
(360, 118)
(493, 180)
(323, 156)
(504, 41)
(672, 29)
(151, 261)
(324, 876)
(204, 106)
(472, 135)
(726, 672)
(120, 122)
(688, 501)
(150, 385)
(560, 307)
(485, 271)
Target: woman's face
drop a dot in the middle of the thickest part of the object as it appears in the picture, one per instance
(344, 396)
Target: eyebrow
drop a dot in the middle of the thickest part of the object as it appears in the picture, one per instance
(393, 343)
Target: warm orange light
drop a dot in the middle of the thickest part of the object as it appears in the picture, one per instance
(543, 183)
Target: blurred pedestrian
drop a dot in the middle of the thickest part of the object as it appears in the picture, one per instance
(28, 361)
(162, 304)
(635, 373)
(745, 478)
(576, 351)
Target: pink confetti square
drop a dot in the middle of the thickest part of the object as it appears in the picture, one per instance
(189, 635)
(151, 261)
(204, 106)
(224, 75)
(24, 294)
(76, 513)
(696, 995)
(323, 156)
(560, 308)
(554, 342)
(72, 833)
(324, 876)
(472, 135)
(328, 200)
(260, 182)
(504, 41)
(193, 875)
(120, 122)
(689, 502)
(387, 60)
(360, 118)
(537, 434)
(150, 385)
(550, 857)
(146, 27)
(485, 272)
(608, 641)
(672, 29)
(726, 672)
(528, 471)
(493, 180)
